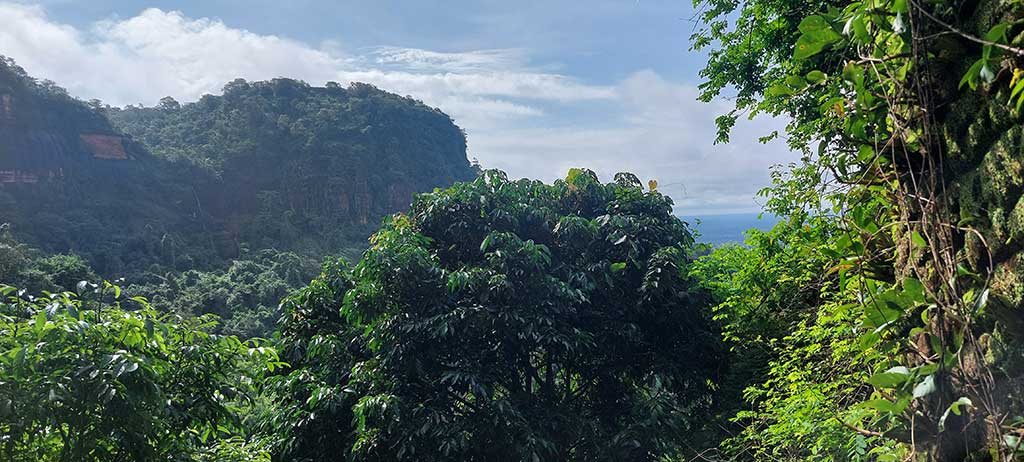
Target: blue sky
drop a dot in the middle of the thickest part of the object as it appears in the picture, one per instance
(540, 86)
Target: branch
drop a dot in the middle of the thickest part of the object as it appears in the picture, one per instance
(1016, 51)
(856, 428)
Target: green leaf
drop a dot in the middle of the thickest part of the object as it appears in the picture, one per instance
(40, 323)
(1013, 442)
(816, 77)
(880, 314)
(881, 405)
(914, 290)
(891, 378)
(616, 267)
(779, 90)
(19, 356)
(955, 409)
(817, 34)
(860, 28)
(814, 24)
(796, 82)
(807, 46)
(998, 32)
(970, 78)
(981, 301)
(918, 240)
(854, 73)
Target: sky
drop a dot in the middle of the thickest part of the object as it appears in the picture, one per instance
(539, 86)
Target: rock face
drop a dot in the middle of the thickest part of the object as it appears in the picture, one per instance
(285, 162)
(269, 164)
(104, 146)
(69, 181)
(984, 139)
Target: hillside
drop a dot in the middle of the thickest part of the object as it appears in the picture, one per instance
(299, 166)
(277, 164)
(70, 182)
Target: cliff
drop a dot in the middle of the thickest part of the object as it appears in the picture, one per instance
(277, 164)
(70, 182)
(299, 164)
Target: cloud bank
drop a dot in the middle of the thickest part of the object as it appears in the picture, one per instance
(525, 119)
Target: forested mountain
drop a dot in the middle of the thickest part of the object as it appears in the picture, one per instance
(287, 165)
(69, 181)
(277, 164)
(218, 206)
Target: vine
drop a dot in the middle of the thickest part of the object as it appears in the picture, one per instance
(938, 395)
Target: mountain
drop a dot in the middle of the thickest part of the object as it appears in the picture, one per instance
(69, 181)
(278, 164)
(302, 167)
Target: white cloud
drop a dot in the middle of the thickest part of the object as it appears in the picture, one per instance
(160, 53)
(427, 60)
(663, 133)
(651, 126)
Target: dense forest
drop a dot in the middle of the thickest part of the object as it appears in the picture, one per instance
(219, 206)
(495, 319)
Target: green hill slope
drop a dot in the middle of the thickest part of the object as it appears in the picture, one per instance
(277, 164)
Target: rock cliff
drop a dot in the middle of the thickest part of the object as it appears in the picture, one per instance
(277, 164)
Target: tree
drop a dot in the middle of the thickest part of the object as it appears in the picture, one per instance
(83, 378)
(312, 404)
(514, 320)
(168, 103)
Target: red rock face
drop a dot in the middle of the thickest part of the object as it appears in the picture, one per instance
(105, 146)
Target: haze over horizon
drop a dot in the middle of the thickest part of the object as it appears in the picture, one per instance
(526, 81)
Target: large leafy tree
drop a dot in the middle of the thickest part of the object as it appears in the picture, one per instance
(311, 416)
(511, 320)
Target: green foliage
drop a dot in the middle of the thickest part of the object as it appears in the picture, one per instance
(21, 266)
(83, 378)
(900, 348)
(506, 320)
(245, 295)
(289, 166)
(311, 417)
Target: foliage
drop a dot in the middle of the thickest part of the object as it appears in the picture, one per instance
(21, 266)
(792, 327)
(83, 378)
(507, 320)
(245, 295)
(301, 168)
(914, 259)
(311, 417)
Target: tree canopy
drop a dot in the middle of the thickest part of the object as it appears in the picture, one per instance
(513, 320)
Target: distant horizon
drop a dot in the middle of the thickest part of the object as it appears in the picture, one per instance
(726, 228)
